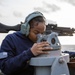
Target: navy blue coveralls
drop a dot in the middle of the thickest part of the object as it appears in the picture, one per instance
(18, 50)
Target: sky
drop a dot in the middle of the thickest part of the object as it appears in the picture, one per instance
(61, 12)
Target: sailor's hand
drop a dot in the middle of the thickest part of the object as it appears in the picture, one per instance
(40, 48)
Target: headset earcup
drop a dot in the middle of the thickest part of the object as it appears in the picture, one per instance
(25, 29)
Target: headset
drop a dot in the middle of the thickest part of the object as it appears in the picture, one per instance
(25, 26)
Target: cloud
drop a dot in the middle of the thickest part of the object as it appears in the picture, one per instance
(51, 7)
(69, 1)
(2, 2)
(41, 9)
(1, 15)
(17, 14)
(47, 8)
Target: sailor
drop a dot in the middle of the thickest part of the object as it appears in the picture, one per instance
(21, 46)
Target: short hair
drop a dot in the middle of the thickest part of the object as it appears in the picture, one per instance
(36, 20)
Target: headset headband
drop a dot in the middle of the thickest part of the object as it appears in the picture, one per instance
(33, 15)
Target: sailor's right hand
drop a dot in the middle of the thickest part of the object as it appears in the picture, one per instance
(38, 48)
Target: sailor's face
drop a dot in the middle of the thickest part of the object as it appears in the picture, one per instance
(39, 29)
